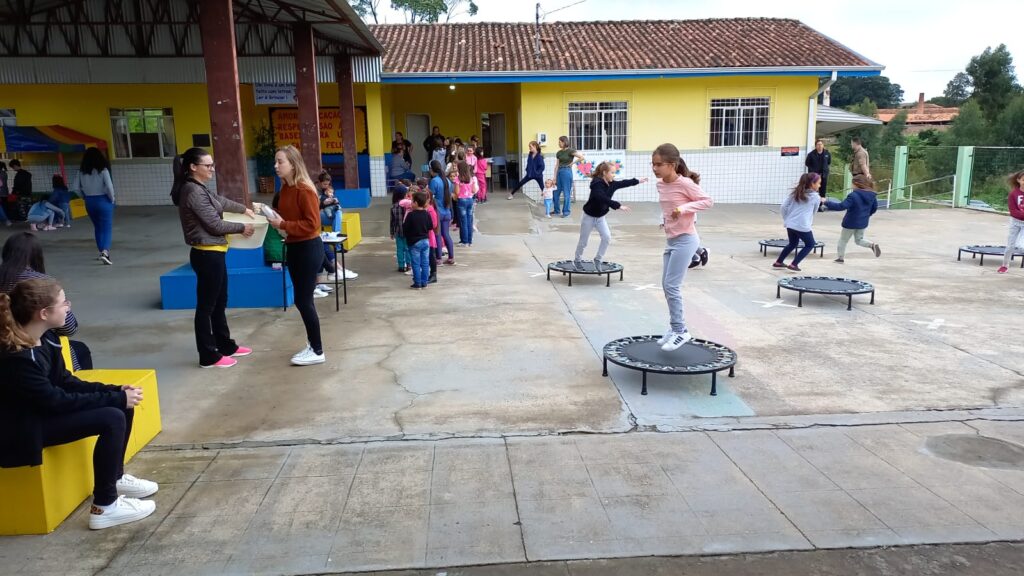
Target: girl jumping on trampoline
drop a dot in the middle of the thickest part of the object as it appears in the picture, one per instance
(860, 205)
(681, 197)
(602, 187)
(1016, 204)
(797, 216)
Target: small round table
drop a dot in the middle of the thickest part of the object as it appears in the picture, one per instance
(643, 353)
(587, 267)
(825, 285)
(988, 250)
(782, 243)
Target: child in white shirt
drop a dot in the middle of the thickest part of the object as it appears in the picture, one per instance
(547, 194)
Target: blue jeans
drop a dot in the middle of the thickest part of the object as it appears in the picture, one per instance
(420, 262)
(101, 212)
(331, 216)
(795, 236)
(444, 223)
(563, 184)
(466, 220)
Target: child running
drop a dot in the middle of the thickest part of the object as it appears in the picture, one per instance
(681, 197)
(602, 188)
(860, 205)
(1015, 201)
(797, 216)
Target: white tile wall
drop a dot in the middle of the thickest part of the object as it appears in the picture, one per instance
(378, 177)
(729, 175)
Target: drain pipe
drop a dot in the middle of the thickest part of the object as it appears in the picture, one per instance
(812, 109)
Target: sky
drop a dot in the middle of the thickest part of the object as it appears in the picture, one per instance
(922, 44)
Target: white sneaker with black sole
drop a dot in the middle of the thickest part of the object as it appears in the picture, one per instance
(122, 511)
(661, 341)
(676, 341)
(133, 487)
(308, 357)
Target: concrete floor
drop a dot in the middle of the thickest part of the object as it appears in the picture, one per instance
(496, 349)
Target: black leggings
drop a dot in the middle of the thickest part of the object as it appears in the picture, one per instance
(113, 426)
(537, 179)
(305, 260)
(213, 337)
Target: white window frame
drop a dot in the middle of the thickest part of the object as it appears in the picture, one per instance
(608, 117)
(741, 122)
(8, 117)
(163, 119)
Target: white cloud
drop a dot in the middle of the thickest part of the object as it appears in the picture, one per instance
(921, 43)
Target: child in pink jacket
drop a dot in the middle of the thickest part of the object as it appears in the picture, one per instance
(481, 175)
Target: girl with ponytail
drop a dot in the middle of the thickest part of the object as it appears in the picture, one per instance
(42, 404)
(797, 216)
(681, 197)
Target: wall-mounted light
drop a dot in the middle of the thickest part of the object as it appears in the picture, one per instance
(451, 86)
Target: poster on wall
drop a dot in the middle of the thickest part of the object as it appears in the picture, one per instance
(585, 169)
(274, 93)
(285, 123)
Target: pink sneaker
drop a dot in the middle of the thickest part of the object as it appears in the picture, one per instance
(242, 351)
(224, 362)
(1002, 270)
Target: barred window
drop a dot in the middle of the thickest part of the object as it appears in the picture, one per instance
(739, 122)
(597, 125)
(143, 132)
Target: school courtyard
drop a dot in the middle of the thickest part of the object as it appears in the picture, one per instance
(470, 424)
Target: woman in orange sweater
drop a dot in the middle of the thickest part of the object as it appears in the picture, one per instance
(299, 223)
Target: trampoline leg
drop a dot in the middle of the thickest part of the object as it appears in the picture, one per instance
(778, 292)
(570, 279)
(849, 301)
(732, 371)
(608, 282)
(714, 383)
(549, 273)
(623, 271)
(605, 371)
(982, 263)
(800, 300)
(643, 389)
(872, 296)
(959, 253)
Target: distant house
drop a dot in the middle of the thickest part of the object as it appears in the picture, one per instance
(921, 115)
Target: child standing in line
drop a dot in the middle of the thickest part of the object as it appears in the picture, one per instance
(397, 234)
(797, 216)
(432, 237)
(547, 194)
(602, 187)
(1015, 201)
(481, 176)
(471, 157)
(860, 205)
(416, 230)
(61, 199)
(466, 193)
(681, 197)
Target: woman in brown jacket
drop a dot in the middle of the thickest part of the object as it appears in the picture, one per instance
(299, 208)
(201, 211)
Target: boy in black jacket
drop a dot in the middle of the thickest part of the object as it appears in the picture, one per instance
(602, 187)
(417, 227)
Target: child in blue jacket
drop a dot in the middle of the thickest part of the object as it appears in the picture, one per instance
(859, 205)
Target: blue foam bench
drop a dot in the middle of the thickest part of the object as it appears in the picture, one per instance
(353, 197)
(251, 284)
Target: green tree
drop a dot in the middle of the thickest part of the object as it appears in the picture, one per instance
(367, 8)
(1009, 129)
(457, 8)
(958, 90)
(432, 10)
(847, 92)
(969, 128)
(993, 79)
(868, 134)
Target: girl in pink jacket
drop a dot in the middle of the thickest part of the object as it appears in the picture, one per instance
(681, 197)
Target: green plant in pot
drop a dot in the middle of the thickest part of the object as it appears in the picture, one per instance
(263, 141)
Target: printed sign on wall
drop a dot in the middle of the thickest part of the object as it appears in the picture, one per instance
(285, 123)
(274, 93)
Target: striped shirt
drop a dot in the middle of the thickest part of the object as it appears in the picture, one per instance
(70, 324)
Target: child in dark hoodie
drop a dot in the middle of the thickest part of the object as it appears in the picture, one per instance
(859, 205)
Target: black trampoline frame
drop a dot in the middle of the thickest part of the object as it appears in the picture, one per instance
(782, 242)
(971, 249)
(570, 269)
(865, 288)
(726, 359)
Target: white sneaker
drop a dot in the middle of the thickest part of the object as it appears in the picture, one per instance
(661, 341)
(308, 357)
(133, 487)
(676, 341)
(122, 511)
(318, 293)
(325, 288)
(350, 275)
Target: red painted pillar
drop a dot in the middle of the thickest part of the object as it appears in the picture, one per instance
(217, 27)
(309, 99)
(347, 114)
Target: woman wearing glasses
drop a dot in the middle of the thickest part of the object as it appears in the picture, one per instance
(201, 211)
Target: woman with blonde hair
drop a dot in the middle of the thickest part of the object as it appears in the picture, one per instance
(299, 222)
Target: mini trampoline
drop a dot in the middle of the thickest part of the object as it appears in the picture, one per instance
(782, 242)
(828, 285)
(988, 250)
(588, 268)
(643, 353)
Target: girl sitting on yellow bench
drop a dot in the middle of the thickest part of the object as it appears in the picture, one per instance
(43, 404)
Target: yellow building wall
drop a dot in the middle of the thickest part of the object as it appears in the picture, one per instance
(672, 110)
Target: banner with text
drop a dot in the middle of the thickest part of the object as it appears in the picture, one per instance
(285, 123)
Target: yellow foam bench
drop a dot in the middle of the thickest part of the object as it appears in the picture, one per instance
(351, 226)
(39, 498)
(77, 208)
